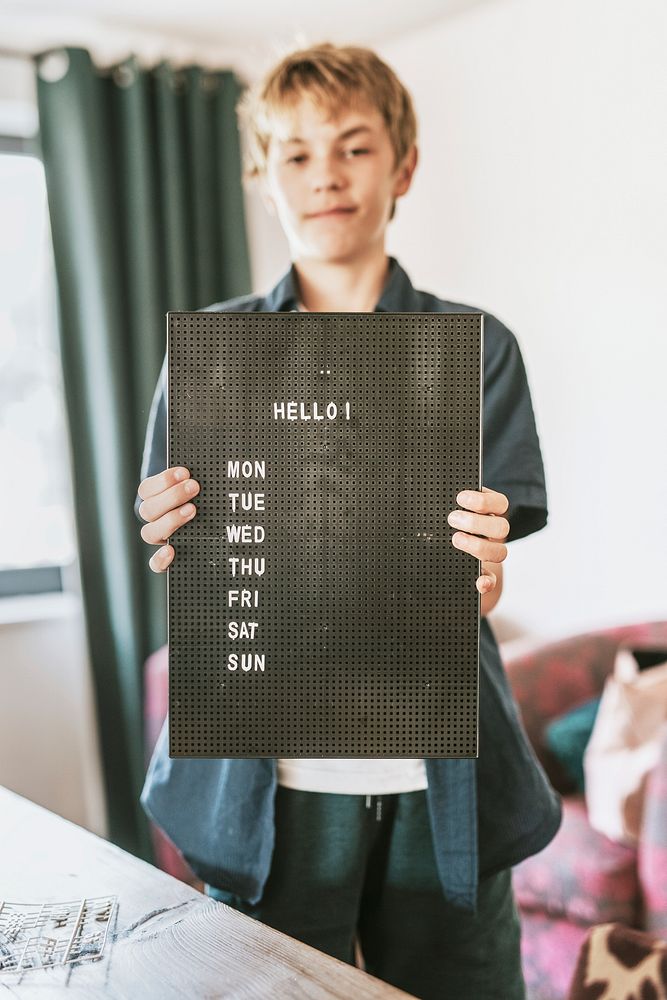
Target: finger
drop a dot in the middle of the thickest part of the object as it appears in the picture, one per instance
(161, 559)
(487, 582)
(169, 499)
(486, 525)
(157, 484)
(157, 532)
(485, 550)
(485, 501)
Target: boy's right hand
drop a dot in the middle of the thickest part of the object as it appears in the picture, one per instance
(165, 508)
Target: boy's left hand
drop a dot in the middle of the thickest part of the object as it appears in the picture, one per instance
(483, 530)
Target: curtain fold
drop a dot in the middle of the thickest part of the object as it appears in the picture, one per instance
(146, 208)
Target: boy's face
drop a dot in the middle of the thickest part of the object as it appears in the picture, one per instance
(318, 164)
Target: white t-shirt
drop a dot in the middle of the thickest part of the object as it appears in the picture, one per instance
(354, 775)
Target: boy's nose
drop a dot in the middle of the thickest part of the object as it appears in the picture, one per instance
(327, 184)
(327, 176)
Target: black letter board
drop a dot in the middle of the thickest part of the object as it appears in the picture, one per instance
(317, 606)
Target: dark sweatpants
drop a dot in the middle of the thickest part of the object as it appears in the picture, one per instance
(348, 865)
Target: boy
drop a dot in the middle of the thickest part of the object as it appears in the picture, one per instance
(413, 856)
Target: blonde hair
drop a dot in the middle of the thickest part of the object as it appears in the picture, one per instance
(333, 76)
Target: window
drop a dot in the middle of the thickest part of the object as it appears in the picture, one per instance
(37, 538)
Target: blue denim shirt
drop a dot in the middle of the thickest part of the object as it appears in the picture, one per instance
(486, 813)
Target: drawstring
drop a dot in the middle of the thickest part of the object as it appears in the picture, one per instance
(378, 804)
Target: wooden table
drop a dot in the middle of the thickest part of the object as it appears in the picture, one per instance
(168, 940)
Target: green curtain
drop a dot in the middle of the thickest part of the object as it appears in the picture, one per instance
(145, 198)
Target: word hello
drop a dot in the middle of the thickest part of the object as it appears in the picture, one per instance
(308, 411)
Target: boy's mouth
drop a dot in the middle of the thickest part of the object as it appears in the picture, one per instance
(336, 210)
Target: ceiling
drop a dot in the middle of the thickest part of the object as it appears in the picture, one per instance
(242, 34)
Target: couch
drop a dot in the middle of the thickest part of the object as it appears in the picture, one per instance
(582, 879)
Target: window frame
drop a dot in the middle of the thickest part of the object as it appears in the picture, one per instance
(31, 580)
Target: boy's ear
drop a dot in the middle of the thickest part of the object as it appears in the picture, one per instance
(405, 171)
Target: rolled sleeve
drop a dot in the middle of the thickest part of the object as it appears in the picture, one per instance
(512, 458)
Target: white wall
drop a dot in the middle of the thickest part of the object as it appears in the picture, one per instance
(540, 196)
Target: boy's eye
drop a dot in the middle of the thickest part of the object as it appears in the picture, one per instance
(301, 156)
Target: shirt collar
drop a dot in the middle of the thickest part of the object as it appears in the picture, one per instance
(398, 295)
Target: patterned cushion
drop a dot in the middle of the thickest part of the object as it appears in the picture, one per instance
(581, 875)
(620, 962)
